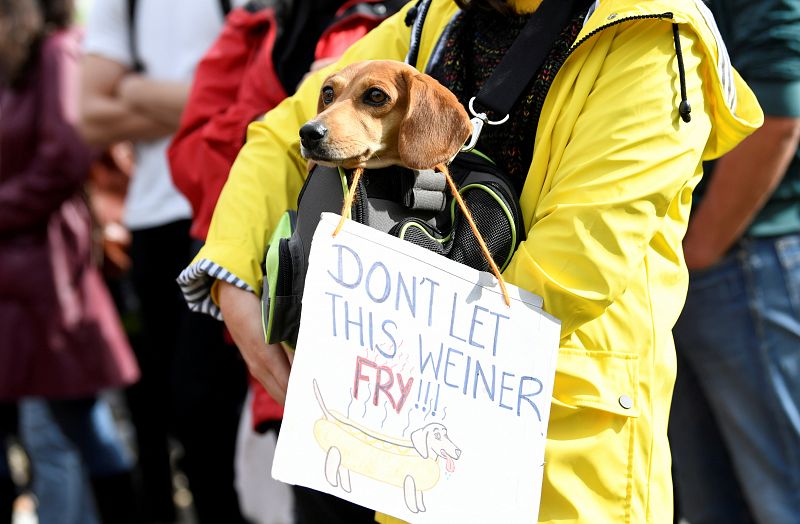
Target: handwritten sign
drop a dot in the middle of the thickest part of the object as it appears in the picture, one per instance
(415, 390)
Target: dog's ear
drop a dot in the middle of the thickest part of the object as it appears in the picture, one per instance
(435, 125)
(419, 438)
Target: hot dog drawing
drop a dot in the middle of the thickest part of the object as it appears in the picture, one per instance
(412, 465)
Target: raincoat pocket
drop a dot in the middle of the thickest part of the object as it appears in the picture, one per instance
(591, 437)
(601, 380)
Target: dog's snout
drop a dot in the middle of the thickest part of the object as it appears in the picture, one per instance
(312, 133)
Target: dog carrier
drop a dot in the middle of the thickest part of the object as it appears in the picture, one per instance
(413, 205)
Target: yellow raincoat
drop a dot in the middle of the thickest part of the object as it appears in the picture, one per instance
(606, 204)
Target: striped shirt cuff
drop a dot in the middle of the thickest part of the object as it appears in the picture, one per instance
(196, 280)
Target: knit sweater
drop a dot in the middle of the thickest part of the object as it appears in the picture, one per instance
(485, 36)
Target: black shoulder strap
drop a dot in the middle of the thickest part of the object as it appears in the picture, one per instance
(225, 5)
(526, 55)
(137, 63)
(521, 62)
(415, 18)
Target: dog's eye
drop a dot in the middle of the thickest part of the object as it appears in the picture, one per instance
(438, 436)
(375, 97)
(327, 95)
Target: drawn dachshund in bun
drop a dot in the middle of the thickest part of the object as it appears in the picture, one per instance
(412, 465)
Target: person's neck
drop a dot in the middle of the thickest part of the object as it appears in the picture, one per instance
(524, 6)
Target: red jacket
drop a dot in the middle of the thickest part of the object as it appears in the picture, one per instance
(234, 84)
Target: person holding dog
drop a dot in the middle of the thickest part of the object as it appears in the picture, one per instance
(606, 147)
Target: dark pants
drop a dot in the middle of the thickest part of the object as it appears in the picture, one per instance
(314, 507)
(213, 384)
(193, 384)
(8, 428)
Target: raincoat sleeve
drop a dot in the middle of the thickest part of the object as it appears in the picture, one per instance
(629, 156)
(267, 176)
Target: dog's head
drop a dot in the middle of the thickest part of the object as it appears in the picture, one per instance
(432, 441)
(378, 113)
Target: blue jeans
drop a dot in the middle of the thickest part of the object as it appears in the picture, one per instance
(60, 479)
(738, 342)
(89, 425)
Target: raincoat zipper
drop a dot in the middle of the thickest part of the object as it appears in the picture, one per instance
(661, 16)
(684, 109)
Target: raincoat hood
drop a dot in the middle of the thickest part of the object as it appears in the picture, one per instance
(735, 112)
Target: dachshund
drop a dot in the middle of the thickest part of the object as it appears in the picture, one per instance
(378, 113)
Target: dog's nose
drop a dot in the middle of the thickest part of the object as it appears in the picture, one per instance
(458, 452)
(312, 133)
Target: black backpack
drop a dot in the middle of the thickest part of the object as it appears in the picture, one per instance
(413, 205)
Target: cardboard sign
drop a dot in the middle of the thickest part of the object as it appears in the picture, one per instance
(415, 390)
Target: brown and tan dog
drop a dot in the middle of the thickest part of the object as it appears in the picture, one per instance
(379, 113)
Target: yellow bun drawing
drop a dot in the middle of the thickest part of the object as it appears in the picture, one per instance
(410, 464)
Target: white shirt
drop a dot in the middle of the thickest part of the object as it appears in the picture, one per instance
(171, 37)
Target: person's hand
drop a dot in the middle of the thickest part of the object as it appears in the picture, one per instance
(122, 153)
(317, 65)
(741, 183)
(268, 363)
(289, 353)
(698, 251)
(128, 88)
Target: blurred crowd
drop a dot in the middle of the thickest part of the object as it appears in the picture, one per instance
(119, 123)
